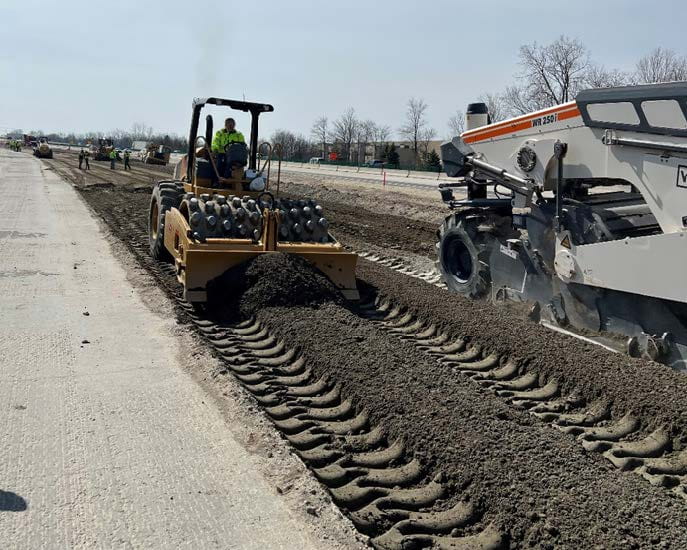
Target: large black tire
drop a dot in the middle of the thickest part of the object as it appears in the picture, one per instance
(463, 254)
(166, 195)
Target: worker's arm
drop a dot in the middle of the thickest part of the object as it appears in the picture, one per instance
(239, 138)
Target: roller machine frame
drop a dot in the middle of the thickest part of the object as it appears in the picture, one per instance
(206, 222)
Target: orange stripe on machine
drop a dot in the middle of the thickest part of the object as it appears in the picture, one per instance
(515, 125)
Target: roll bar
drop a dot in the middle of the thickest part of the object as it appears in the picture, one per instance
(255, 109)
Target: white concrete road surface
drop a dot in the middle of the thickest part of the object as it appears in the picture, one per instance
(105, 440)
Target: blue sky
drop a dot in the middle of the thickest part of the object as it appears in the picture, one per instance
(72, 66)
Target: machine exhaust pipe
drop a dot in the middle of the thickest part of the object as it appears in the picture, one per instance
(476, 116)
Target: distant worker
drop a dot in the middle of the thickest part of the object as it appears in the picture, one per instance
(127, 166)
(86, 154)
(81, 158)
(113, 158)
(224, 137)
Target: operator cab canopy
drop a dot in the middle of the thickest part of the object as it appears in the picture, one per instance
(255, 109)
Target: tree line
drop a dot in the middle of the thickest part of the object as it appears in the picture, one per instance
(350, 137)
(555, 73)
(122, 139)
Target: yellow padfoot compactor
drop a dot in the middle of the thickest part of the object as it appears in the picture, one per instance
(207, 220)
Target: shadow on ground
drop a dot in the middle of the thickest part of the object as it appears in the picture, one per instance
(11, 502)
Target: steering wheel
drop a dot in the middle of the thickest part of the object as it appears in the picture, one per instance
(262, 204)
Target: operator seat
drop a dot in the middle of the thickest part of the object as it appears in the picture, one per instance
(237, 157)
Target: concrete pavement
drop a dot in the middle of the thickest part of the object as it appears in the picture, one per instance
(105, 440)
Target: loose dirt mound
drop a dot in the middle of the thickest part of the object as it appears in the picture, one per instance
(269, 280)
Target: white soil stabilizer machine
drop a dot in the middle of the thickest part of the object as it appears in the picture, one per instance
(580, 212)
(209, 219)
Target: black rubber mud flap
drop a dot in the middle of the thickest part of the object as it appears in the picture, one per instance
(464, 255)
(165, 195)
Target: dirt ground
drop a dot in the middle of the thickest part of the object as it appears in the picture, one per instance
(537, 484)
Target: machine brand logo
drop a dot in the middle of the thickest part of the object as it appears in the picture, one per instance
(509, 252)
(682, 176)
(542, 120)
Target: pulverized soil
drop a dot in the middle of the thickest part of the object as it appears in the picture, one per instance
(537, 484)
(652, 391)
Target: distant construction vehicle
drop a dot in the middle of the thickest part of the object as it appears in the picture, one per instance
(42, 150)
(156, 154)
(102, 150)
(587, 222)
(29, 140)
(207, 222)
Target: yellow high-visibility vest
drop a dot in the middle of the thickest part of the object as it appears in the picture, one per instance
(224, 138)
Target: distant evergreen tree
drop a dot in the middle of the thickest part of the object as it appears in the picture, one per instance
(392, 157)
(432, 160)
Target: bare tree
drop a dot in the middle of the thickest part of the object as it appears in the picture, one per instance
(661, 65)
(416, 122)
(382, 133)
(549, 75)
(425, 136)
(365, 133)
(495, 105)
(294, 147)
(320, 131)
(456, 123)
(597, 76)
(287, 140)
(345, 130)
(141, 132)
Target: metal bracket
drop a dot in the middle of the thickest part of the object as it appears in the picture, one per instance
(559, 151)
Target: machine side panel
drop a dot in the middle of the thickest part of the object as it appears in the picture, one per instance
(651, 266)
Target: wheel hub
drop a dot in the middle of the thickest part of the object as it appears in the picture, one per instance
(458, 260)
